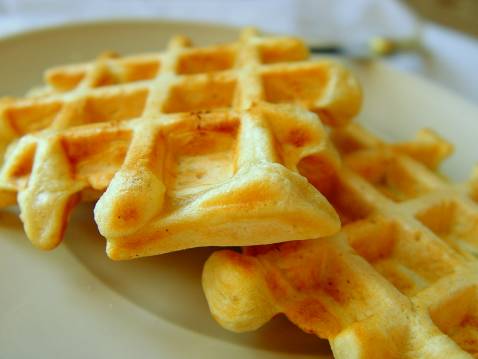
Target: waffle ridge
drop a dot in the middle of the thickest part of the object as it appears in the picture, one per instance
(398, 281)
(186, 156)
(114, 88)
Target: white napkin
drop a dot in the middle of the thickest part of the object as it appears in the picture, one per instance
(336, 20)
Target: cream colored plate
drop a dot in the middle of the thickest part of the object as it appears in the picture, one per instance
(76, 303)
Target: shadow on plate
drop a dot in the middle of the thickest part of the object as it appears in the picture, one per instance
(170, 287)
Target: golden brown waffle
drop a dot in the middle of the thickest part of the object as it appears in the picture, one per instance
(181, 79)
(212, 159)
(399, 281)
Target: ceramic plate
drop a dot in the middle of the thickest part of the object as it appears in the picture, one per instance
(74, 302)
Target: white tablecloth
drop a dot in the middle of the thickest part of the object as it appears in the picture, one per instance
(452, 62)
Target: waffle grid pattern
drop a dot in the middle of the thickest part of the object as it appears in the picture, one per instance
(241, 122)
(114, 89)
(400, 279)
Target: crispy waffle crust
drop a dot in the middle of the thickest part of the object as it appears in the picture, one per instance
(191, 147)
(398, 281)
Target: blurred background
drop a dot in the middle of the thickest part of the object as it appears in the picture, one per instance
(459, 14)
(437, 39)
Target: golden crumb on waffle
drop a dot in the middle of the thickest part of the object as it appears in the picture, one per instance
(191, 147)
(399, 280)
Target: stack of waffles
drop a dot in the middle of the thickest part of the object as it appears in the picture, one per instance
(249, 144)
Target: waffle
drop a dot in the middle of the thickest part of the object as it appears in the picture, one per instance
(190, 79)
(398, 281)
(191, 147)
